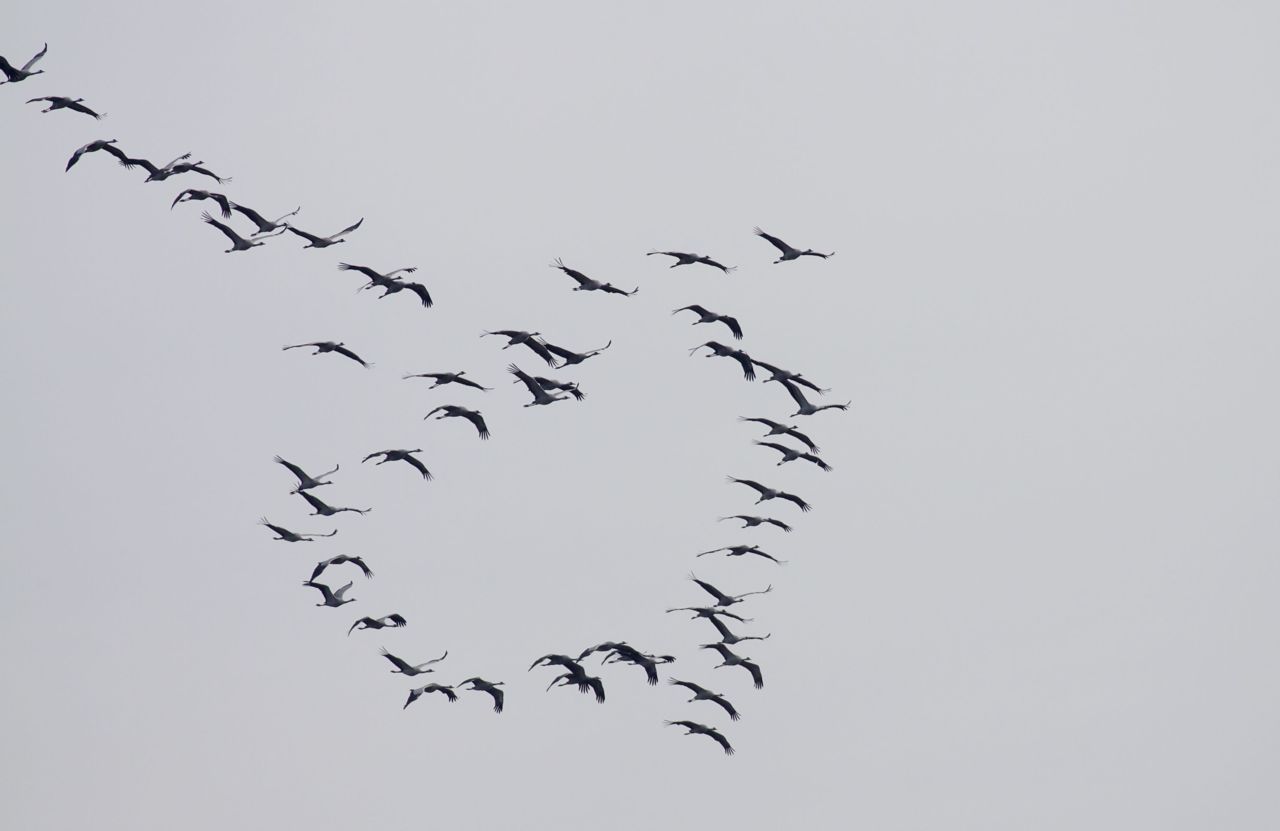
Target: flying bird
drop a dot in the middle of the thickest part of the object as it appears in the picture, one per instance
(807, 408)
(401, 456)
(571, 358)
(13, 75)
(324, 242)
(288, 536)
(727, 636)
(790, 454)
(723, 599)
(481, 685)
(692, 728)
(442, 378)
(332, 598)
(649, 663)
(329, 346)
(579, 678)
(729, 659)
(742, 550)
(705, 315)
(339, 560)
(719, 350)
(749, 521)
(689, 259)
(306, 481)
(403, 667)
(777, 373)
(454, 411)
(107, 145)
(61, 102)
(552, 385)
(777, 428)
(709, 612)
(374, 276)
(418, 692)
(321, 509)
(264, 225)
(789, 253)
(173, 168)
(556, 659)
(238, 243)
(704, 694)
(585, 283)
(386, 622)
(516, 337)
(195, 195)
(540, 395)
(770, 493)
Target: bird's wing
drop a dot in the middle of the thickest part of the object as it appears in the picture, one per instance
(399, 663)
(609, 288)
(791, 497)
(421, 468)
(342, 350)
(544, 350)
(360, 563)
(349, 228)
(478, 420)
(195, 168)
(777, 243)
(732, 323)
(397, 620)
(371, 455)
(715, 734)
(778, 523)
(794, 433)
(686, 684)
(535, 389)
(365, 270)
(314, 502)
(702, 310)
(781, 448)
(421, 291)
(498, 698)
(720, 627)
(7, 68)
(598, 687)
(728, 708)
(294, 469)
(756, 675)
(708, 261)
(744, 361)
(309, 237)
(49, 98)
(37, 56)
(325, 590)
(81, 108)
(710, 589)
(468, 383)
(230, 234)
(340, 592)
(796, 394)
(414, 695)
(319, 569)
(449, 694)
(749, 483)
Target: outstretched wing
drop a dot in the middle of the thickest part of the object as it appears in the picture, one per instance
(342, 350)
(312, 238)
(756, 675)
(478, 420)
(421, 468)
(314, 502)
(81, 108)
(360, 563)
(796, 394)
(349, 228)
(544, 350)
(535, 389)
(777, 243)
(711, 590)
(715, 734)
(294, 469)
(399, 663)
(230, 234)
(609, 288)
(365, 270)
(37, 56)
(421, 291)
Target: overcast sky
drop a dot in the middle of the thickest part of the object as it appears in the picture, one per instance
(1037, 591)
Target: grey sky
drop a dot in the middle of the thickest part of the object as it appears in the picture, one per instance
(1037, 591)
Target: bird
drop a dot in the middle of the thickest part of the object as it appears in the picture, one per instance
(741, 550)
(454, 411)
(790, 454)
(418, 692)
(288, 536)
(723, 599)
(305, 481)
(321, 509)
(403, 667)
(375, 276)
(324, 242)
(779, 429)
(779, 374)
(61, 102)
(264, 225)
(789, 253)
(394, 621)
(689, 259)
(173, 168)
(730, 659)
(705, 315)
(195, 195)
(481, 685)
(607, 646)
(108, 145)
(238, 243)
(516, 337)
(401, 456)
(770, 493)
(556, 659)
(339, 560)
(752, 521)
(442, 378)
(806, 408)
(585, 283)
(692, 728)
(649, 663)
(332, 598)
(540, 395)
(570, 358)
(722, 351)
(704, 694)
(726, 636)
(552, 385)
(392, 286)
(329, 346)
(709, 612)
(13, 75)
(578, 677)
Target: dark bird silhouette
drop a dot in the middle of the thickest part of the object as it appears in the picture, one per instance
(719, 350)
(264, 225)
(358, 562)
(173, 168)
(790, 454)
(13, 74)
(709, 612)
(195, 195)
(770, 493)
(540, 395)
(607, 646)
(306, 481)
(401, 456)
(106, 145)
(749, 521)
(807, 408)
(742, 550)
(552, 385)
(418, 692)
(481, 685)
(579, 678)
(324, 242)
(374, 276)
(729, 659)
(727, 636)
(323, 346)
(649, 663)
(394, 621)
(704, 694)
(403, 667)
(777, 373)
(515, 337)
(556, 659)
(454, 411)
(723, 599)
(288, 536)
(389, 283)
(705, 315)
(321, 509)
(61, 102)
(692, 727)
(789, 253)
(689, 259)
(238, 243)
(331, 598)
(571, 358)
(442, 378)
(777, 428)
(585, 283)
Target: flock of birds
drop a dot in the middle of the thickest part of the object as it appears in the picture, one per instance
(543, 391)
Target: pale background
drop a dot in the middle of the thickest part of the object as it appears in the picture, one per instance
(1037, 593)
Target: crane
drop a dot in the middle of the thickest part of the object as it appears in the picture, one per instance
(106, 145)
(571, 358)
(264, 225)
(749, 521)
(418, 692)
(777, 428)
(790, 454)
(400, 456)
(403, 667)
(723, 599)
(324, 242)
(323, 346)
(727, 636)
(393, 621)
(719, 350)
(321, 509)
(540, 395)
(694, 728)
(195, 195)
(13, 74)
(730, 659)
(585, 283)
(442, 378)
(454, 411)
(689, 259)
(61, 102)
(789, 253)
(288, 536)
(305, 481)
(238, 243)
(703, 694)
(770, 493)
(742, 550)
(490, 687)
(357, 561)
(705, 315)
(332, 598)
(806, 408)
(517, 337)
